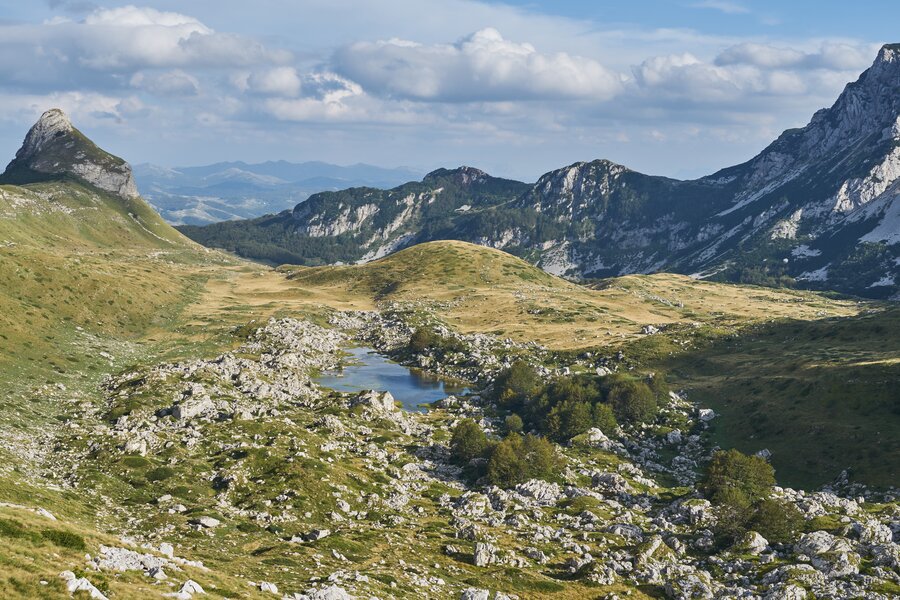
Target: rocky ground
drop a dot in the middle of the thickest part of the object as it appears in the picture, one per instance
(322, 495)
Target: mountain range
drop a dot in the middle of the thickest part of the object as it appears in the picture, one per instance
(817, 208)
(238, 190)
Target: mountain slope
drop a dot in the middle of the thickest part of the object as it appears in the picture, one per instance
(818, 207)
(194, 427)
(361, 224)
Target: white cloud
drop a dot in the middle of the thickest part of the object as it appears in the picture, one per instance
(760, 55)
(85, 108)
(742, 75)
(328, 97)
(549, 90)
(108, 43)
(831, 56)
(279, 81)
(133, 16)
(480, 67)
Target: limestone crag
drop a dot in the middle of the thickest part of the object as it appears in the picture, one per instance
(54, 147)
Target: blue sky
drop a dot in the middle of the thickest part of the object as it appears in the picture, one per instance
(671, 87)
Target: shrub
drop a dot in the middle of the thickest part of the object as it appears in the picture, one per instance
(777, 521)
(64, 539)
(568, 419)
(733, 513)
(517, 459)
(604, 418)
(514, 423)
(467, 442)
(740, 486)
(541, 459)
(732, 470)
(505, 467)
(422, 339)
(632, 401)
(515, 385)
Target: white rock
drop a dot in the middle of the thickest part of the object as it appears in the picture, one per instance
(166, 549)
(485, 554)
(265, 586)
(753, 543)
(81, 584)
(208, 522)
(706, 414)
(191, 587)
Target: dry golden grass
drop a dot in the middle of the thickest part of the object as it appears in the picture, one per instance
(479, 289)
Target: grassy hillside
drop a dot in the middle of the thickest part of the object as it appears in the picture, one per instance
(74, 257)
(820, 395)
(70, 215)
(480, 289)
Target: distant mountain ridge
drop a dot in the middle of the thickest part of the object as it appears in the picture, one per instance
(817, 206)
(239, 190)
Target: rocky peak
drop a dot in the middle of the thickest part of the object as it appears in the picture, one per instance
(862, 123)
(869, 104)
(580, 179)
(888, 57)
(462, 175)
(52, 124)
(54, 148)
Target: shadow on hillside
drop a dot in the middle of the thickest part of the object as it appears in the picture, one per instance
(822, 396)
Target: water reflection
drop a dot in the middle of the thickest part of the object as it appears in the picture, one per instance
(371, 371)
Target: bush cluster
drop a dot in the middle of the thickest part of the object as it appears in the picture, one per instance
(740, 487)
(569, 406)
(507, 462)
(426, 339)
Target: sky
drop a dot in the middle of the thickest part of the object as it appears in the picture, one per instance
(669, 87)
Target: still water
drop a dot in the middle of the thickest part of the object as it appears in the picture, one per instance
(369, 370)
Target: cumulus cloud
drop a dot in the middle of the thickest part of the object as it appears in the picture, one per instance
(547, 80)
(480, 67)
(330, 97)
(742, 74)
(108, 43)
(133, 16)
(84, 107)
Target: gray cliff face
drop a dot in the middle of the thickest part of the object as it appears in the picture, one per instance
(54, 147)
(52, 124)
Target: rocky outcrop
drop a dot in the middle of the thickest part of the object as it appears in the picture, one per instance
(53, 147)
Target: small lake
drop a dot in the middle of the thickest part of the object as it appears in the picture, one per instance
(369, 370)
